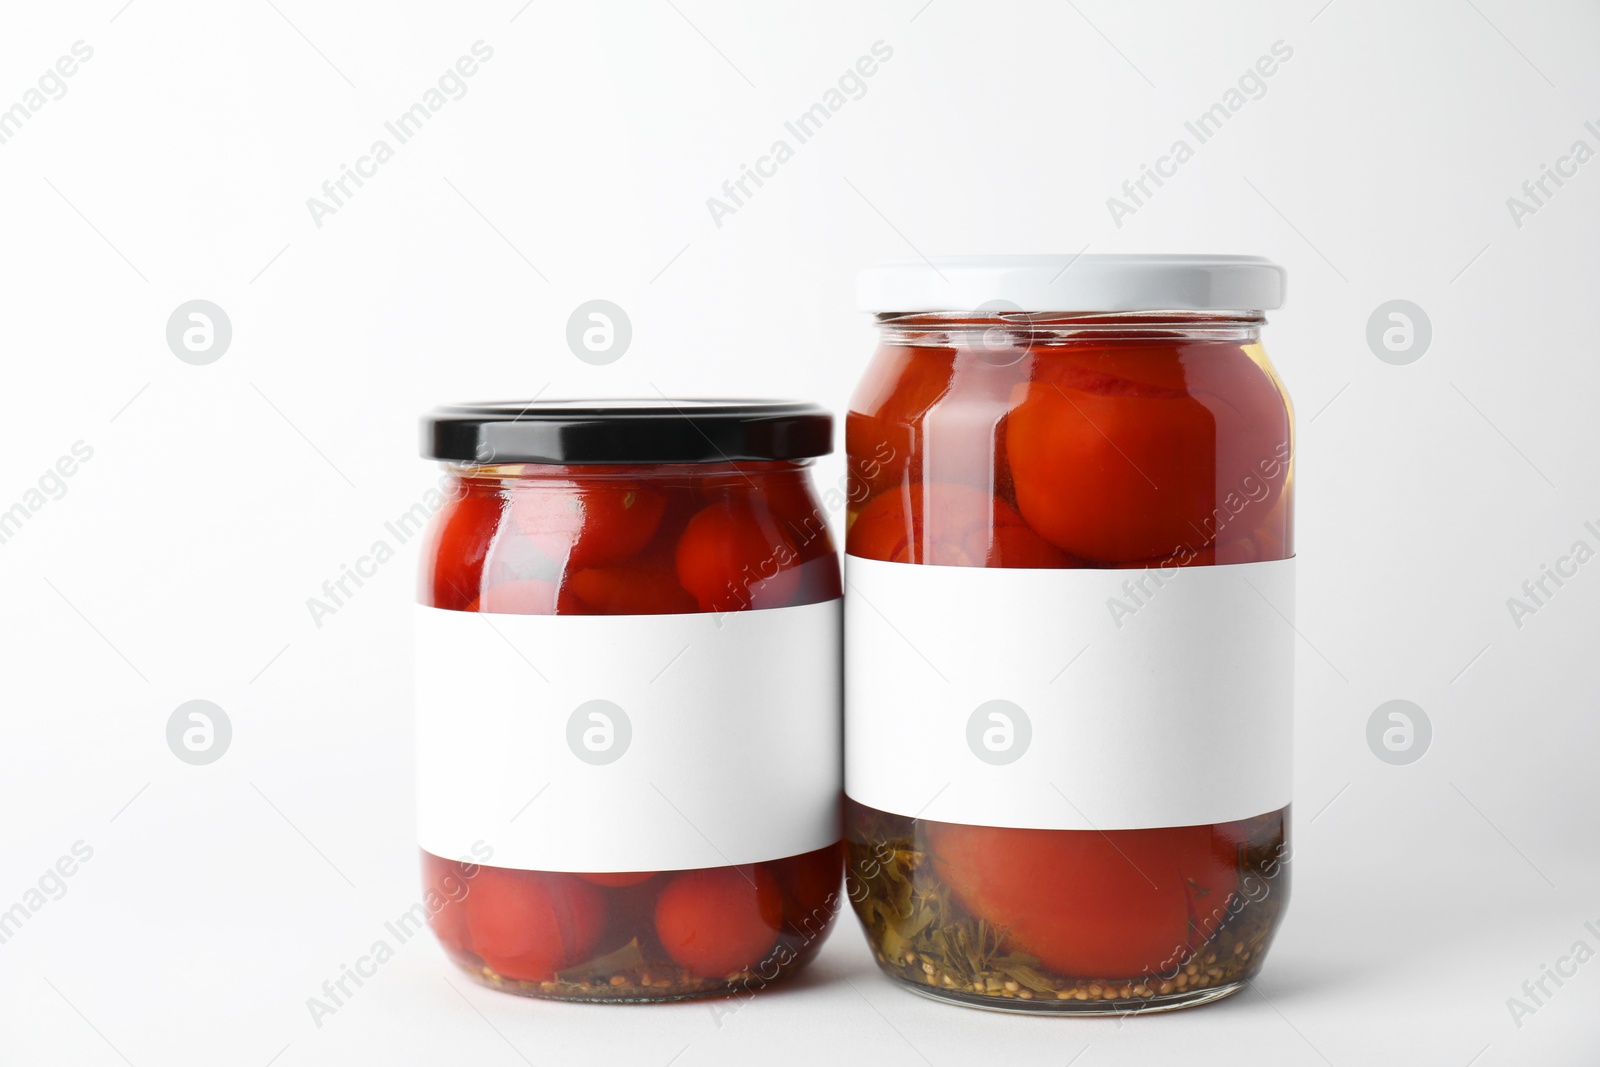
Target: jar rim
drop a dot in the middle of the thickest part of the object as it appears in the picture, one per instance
(1177, 318)
(1008, 330)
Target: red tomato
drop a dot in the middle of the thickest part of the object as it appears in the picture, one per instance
(1112, 476)
(589, 524)
(733, 557)
(640, 587)
(948, 525)
(618, 881)
(528, 925)
(1087, 904)
(1124, 454)
(719, 921)
(461, 535)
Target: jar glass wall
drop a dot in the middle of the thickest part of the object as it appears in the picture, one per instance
(700, 542)
(1146, 442)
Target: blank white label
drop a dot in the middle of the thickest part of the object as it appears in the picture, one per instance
(1069, 699)
(605, 743)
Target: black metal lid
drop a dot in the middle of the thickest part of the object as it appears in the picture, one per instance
(626, 431)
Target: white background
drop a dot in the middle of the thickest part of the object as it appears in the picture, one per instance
(219, 498)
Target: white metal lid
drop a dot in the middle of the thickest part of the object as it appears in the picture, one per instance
(1082, 283)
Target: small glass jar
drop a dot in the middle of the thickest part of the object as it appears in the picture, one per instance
(627, 697)
(1069, 655)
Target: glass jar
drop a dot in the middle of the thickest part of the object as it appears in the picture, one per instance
(1069, 687)
(627, 697)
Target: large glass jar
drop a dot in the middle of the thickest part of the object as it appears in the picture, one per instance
(627, 697)
(1069, 649)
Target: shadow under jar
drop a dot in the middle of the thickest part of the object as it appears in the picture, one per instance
(1069, 655)
(627, 697)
